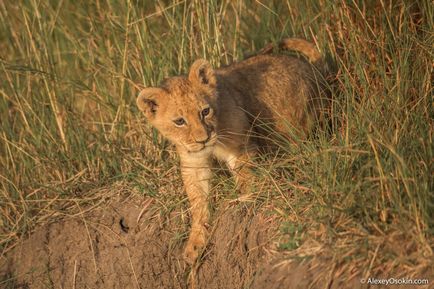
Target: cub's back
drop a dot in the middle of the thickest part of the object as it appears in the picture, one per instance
(273, 88)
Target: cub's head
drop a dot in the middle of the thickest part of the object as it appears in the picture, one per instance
(183, 108)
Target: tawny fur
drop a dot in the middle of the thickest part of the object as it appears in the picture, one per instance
(219, 109)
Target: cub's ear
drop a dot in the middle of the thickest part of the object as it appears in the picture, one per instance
(147, 101)
(202, 73)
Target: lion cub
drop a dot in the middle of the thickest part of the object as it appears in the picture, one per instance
(211, 113)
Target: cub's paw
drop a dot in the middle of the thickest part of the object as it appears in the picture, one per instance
(193, 249)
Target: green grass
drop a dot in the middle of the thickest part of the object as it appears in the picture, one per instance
(70, 72)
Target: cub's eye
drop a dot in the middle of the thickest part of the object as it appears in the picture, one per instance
(179, 122)
(205, 111)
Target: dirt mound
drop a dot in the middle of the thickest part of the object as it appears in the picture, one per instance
(236, 250)
(107, 248)
(129, 244)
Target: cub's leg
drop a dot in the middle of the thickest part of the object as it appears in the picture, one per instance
(240, 165)
(196, 174)
(241, 168)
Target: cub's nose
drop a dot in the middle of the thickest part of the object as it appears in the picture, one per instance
(202, 135)
(203, 139)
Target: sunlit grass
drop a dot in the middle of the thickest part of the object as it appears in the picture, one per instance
(70, 72)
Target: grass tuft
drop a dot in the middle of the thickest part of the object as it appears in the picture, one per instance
(362, 190)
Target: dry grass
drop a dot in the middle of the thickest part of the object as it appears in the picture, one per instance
(359, 192)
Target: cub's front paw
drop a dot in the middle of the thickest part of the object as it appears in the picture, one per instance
(193, 248)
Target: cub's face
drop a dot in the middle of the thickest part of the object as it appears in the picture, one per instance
(183, 109)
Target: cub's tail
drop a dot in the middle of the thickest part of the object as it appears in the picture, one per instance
(303, 46)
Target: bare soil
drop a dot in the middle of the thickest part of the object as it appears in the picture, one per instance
(129, 244)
